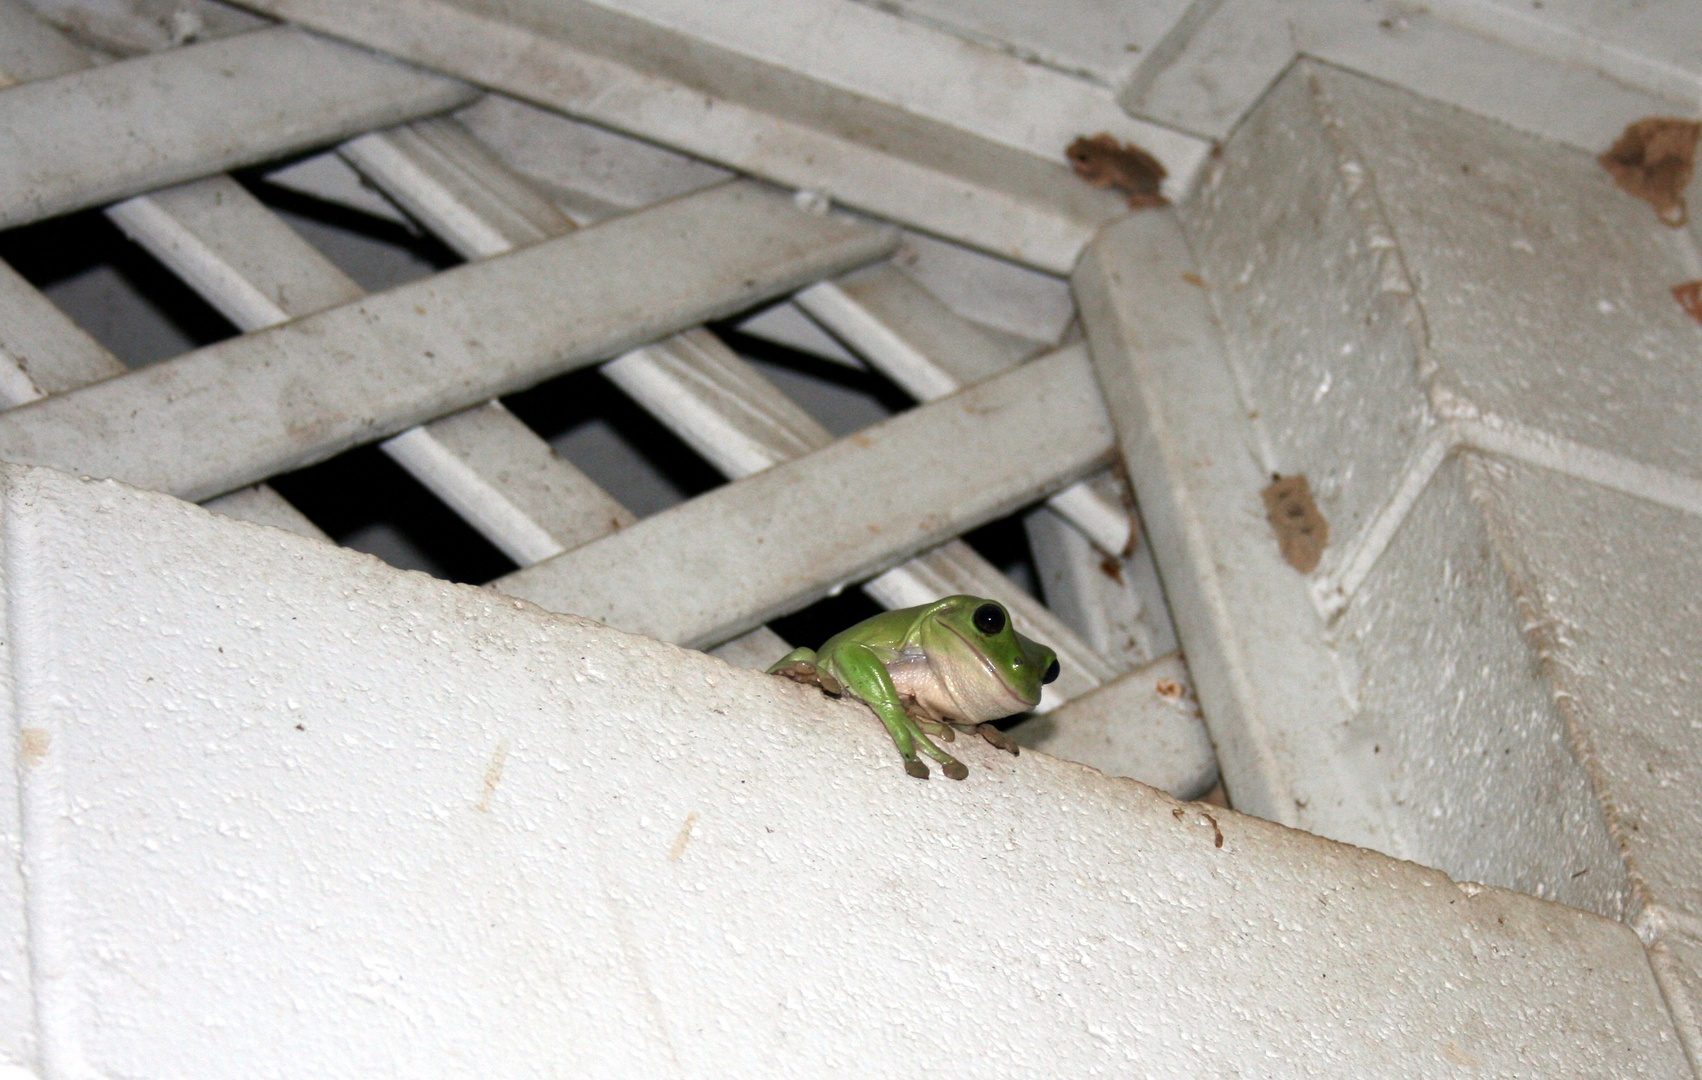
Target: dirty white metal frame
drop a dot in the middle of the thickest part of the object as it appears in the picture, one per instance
(974, 134)
(887, 116)
(488, 466)
(485, 464)
(709, 396)
(964, 460)
(722, 406)
(41, 351)
(210, 107)
(195, 425)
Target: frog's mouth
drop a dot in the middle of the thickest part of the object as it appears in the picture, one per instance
(998, 676)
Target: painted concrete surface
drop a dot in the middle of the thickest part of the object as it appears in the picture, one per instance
(1244, 619)
(1463, 738)
(1463, 337)
(288, 811)
(1145, 725)
(1533, 322)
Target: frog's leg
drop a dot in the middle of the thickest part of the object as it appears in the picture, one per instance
(866, 677)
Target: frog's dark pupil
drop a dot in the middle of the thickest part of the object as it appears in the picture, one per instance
(1051, 673)
(989, 618)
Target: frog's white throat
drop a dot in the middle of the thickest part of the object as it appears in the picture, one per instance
(971, 696)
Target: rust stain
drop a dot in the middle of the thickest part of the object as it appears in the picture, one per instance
(1689, 297)
(1179, 813)
(493, 776)
(1302, 533)
(1195, 280)
(1169, 689)
(1451, 1050)
(34, 744)
(1112, 567)
(1653, 159)
(1126, 495)
(1217, 833)
(1104, 162)
(684, 838)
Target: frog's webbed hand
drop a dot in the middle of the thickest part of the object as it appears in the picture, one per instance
(800, 665)
(866, 677)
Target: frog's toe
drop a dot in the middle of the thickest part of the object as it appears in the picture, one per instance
(952, 767)
(999, 739)
(942, 732)
(917, 769)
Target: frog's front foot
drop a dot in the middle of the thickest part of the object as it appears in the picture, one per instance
(999, 739)
(800, 665)
(798, 670)
(948, 764)
(914, 739)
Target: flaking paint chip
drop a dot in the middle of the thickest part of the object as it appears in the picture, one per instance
(35, 744)
(1653, 159)
(1689, 297)
(1301, 531)
(1104, 162)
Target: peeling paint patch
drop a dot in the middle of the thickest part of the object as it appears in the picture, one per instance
(1301, 530)
(684, 838)
(1653, 159)
(1689, 297)
(493, 776)
(35, 743)
(1104, 162)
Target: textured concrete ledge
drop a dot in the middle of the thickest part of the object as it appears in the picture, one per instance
(287, 811)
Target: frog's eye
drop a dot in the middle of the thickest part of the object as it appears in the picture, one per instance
(989, 619)
(1051, 673)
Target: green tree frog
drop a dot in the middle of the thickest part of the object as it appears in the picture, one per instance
(956, 662)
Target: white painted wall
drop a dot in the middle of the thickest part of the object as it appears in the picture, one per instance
(288, 811)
